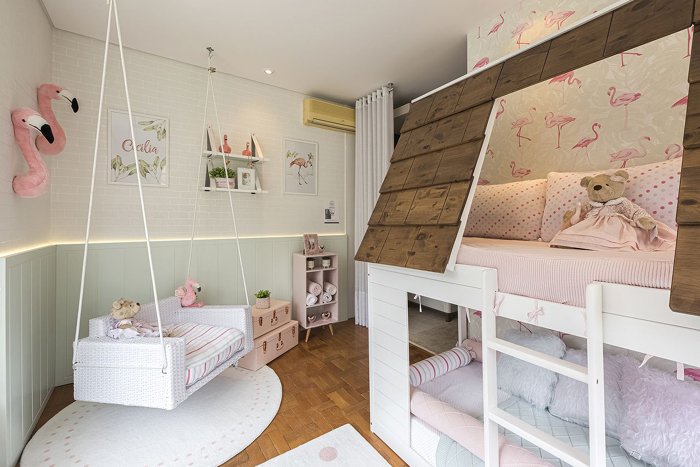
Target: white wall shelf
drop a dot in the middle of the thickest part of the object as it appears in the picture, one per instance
(235, 157)
(233, 190)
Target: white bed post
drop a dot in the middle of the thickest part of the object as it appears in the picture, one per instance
(596, 383)
(462, 324)
(488, 334)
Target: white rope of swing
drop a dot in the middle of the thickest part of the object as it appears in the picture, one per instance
(113, 5)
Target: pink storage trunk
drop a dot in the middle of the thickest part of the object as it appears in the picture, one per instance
(267, 319)
(271, 345)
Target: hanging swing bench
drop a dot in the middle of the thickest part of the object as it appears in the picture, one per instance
(158, 372)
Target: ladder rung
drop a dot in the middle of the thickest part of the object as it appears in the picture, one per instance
(549, 443)
(572, 370)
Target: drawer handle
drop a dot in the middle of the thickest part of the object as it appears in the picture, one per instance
(265, 347)
(279, 345)
(274, 318)
(260, 321)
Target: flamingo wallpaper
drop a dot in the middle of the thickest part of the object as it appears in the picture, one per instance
(626, 110)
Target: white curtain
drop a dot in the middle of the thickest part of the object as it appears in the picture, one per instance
(374, 143)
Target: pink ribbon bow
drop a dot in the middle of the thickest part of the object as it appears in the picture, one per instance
(498, 299)
(534, 315)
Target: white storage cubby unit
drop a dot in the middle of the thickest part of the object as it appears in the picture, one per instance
(318, 274)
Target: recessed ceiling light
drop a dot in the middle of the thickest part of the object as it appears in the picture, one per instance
(269, 71)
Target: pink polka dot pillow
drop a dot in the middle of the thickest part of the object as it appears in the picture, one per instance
(654, 187)
(509, 211)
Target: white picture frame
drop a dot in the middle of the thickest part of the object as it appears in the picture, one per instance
(246, 179)
(300, 167)
(153, 145)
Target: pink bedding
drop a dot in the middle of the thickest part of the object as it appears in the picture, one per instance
(533, 269)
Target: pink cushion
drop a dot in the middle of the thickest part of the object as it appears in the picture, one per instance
(654, 187)
(509, 211)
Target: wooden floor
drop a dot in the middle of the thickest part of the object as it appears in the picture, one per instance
(325, 384)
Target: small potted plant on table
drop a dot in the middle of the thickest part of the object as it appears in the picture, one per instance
(262, 299)
(219, 176)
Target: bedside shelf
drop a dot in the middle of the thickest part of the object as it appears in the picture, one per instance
(235, 157)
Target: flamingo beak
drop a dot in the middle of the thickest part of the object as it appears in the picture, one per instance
(71, 99)
(42, 126)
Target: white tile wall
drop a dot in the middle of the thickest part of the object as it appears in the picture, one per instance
(165, 87)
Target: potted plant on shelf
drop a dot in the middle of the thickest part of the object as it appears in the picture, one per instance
(219, 176)
(262, 299)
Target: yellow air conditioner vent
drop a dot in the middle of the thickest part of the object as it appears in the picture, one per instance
(328, 115)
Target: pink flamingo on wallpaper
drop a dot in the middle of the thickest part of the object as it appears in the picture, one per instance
(188, 293)
(558, 18)
(566, 78)
(623, 99)
(518, 172)
(501, 107)
(45, 95)
(559, 121)
(622, 57)
(482, 62)
(483, 181)
(673, 151)
(520, 123)
(36, 181)
(682, 101)
(627, 154)
(496, 27)
(588, 140)
(690, 30)
(490, 153)
(521, 28)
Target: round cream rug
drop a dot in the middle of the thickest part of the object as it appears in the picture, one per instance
(211, 426)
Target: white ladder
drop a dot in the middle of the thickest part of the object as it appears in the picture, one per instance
(592, 376)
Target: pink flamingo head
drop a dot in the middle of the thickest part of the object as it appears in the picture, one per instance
(25, 118)
(194, 285)
(611, 91)
(673, 151)
(512, 164)
(548, 115)
(595, 126)
(54, 91)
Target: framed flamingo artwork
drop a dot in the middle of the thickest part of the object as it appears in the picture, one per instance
(152, 136)
(300, 167)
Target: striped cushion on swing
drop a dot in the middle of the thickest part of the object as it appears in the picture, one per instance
(206, 347)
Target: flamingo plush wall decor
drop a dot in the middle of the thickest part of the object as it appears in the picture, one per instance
(35, 182)
(45, 95)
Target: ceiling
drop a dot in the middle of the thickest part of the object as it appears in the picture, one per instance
(333, 49)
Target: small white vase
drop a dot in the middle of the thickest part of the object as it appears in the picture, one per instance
(262, 303)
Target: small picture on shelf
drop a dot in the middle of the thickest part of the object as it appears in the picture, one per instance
(311, 244)
(246, 179)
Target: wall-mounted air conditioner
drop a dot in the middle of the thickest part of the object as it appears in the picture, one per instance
(329, 115)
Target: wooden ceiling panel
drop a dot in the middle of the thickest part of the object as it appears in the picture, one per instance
(372, 244)
(423, 170)
(376, 216)
(397, 246)
(685, 286)
(396, 175)
(454, 203)
(458, 162)
(417, 115)
(689, 196)
(427, 205)
(478, 120)
(479, 88)
(522, 70)
(397, 207)
(578, 47)
(643, 21)
(691, 134)
(432, 248)
(444, 102)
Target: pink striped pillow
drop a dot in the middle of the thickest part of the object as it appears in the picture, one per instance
(438, 365)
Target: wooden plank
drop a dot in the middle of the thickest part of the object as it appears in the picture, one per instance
(578, 47)
(694, 70)
(421, 140)
(396, 175)
(691, 135)
(376, 216)
(398, 244)
(427, 205)
(450, 130)
(685, 288)
(477, 122)
(397, 207)
(689, 195)
(458, 162)
(417, 114)
(643, 21)
(454, 204)
(696, 13)
(401, 145)
(432, 247)
(479, 88)
(522, 70)
(445, 102)
(372, 244)
(423, 170)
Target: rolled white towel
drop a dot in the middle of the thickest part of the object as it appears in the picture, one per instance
(314, 288)
(330, 288)
(311, 299)
(326, 297)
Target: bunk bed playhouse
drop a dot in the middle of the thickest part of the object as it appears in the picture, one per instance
(414, 242)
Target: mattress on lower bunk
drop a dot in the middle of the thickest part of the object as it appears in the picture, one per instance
(528, 268)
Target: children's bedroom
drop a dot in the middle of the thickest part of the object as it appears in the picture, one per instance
(435, 234)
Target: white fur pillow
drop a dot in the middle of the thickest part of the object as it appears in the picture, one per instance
(654, 187)
(570, 399)
(510, 211)
(660, 422)
(525, 380)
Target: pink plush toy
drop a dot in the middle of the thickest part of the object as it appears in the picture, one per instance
(45, 95)
(188, 294)
(35, 182)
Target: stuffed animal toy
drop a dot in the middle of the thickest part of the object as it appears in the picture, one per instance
(188, 293)
(609, 221)
(124, 325)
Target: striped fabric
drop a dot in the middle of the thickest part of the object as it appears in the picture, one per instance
(533, 269)
(206, 347)
(438, 365)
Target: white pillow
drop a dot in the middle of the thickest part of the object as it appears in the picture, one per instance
(654, 187)
(525, 380)
(509, 211)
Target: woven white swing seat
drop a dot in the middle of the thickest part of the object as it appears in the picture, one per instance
(130, 371)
